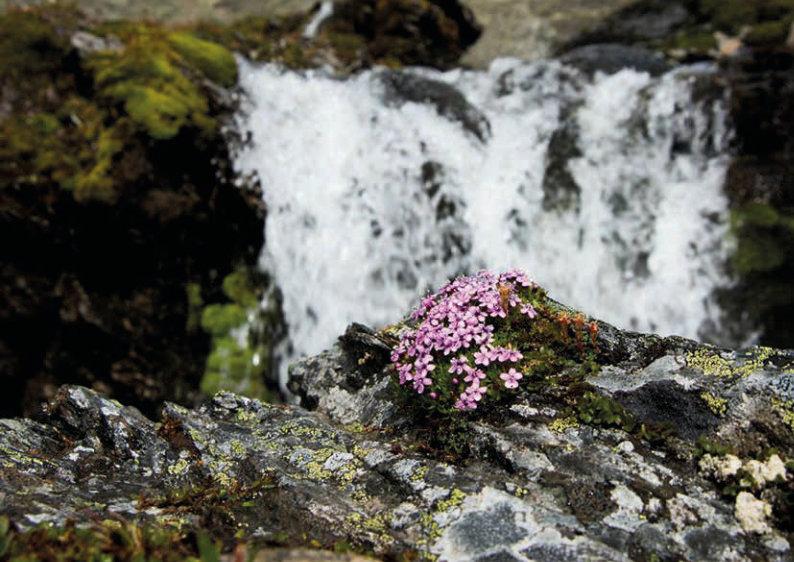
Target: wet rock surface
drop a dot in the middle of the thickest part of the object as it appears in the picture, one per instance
(401, 87)
(352, 466)
(610, 58)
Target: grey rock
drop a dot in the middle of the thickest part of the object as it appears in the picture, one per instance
(349, 464)
(610, 58)
(403, 87)
(88, 43)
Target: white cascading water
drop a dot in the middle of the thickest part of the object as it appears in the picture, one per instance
(372, 202)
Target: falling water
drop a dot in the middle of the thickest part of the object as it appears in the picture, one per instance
(325, 11)
(379, 187)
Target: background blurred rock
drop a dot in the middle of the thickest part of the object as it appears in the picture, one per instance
(533, 29)
(181, 11)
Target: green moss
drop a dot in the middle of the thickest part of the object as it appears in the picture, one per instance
(73, 121)
(759, 251)
(596, 409)
(109, 540)
(756, 214)
(220, 319)
(705, 446)
(240, 288)
(233, 367)
(148, 80)
(769, 33)
(5, 539)
(213, 60)
(72, 148)
(240, 349)
(768, 21)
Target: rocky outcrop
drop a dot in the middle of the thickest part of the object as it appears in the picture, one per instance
(681, 452)
(533, 29)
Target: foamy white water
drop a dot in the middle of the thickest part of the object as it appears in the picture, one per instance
(373, 200)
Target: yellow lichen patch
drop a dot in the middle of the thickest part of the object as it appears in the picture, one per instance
(179, 467)
(714, 364)
(315, 468)
(419, 474)
(560, 425)
(710, 362)
(455, 498)
(376, 527)
(717, 405)
(355, 427)
(431, 529)
(237, 448)
(360, 452)
(785, 409)
(300, 430)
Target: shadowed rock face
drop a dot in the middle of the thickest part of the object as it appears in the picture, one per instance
(352, 466)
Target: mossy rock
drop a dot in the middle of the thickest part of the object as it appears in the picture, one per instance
(730, 15)
(213, 60)
(769, 32)
(75, 119)
(764, 235)
(765, 22)
(697, 41)
(30, 45)
(759, 251)
(151, 78)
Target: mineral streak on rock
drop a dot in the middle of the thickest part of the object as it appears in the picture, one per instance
(351, 466)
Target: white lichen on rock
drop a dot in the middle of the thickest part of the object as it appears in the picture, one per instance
(752, 513)
(720, 468)
(761, 473)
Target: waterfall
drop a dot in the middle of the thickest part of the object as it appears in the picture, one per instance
(607, 189)
(326, 11)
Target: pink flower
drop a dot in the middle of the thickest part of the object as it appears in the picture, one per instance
(458, 365)
(482, 357)
(420, 384)
(511, 378)
(529, 310)
(474, 376)
(460, 318)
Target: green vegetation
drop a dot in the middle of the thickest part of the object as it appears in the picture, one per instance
(242, 335)
(596, 409)
(765, 238)
(106, 540)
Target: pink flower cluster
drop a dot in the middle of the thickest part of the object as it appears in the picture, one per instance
(456, 327)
